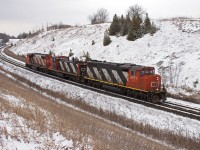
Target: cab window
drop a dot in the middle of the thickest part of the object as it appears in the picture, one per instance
(142, 72)
(149, 72)
(133, 73)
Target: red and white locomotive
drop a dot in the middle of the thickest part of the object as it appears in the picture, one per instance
(133, 80)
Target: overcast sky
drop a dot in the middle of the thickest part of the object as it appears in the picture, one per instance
(23, 15)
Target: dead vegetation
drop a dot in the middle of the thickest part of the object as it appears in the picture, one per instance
(194, 98)
(84, 129)
(101, 136)
(21, 130)
(191, 96)
(170, 78)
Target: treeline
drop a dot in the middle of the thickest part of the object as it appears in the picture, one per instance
(57, 26)
(132, 26)
(48, 27)
(4, 38)
(135, 24)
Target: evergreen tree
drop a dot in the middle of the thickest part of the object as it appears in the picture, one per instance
(153, 29)
(125, 27)
(128, 22)
(94, 20)
(106, 39)
(136, 22)
(93, 42)
(86, 56)
(121, 21)
(132, 35)
(146, 25)
(115, 26)
(70, 53)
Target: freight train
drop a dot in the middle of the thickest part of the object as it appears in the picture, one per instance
(132, 80)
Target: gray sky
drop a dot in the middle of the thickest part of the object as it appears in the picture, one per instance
(23, 15)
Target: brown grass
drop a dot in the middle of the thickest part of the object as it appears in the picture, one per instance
(169, 137)
(194, 96)
(73, 124)
(20, 132)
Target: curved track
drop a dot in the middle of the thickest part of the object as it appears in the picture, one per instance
(177, 109)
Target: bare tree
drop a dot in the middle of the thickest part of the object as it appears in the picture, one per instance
(163, 72)
(101, 16)
(136, 10)
(174, 73)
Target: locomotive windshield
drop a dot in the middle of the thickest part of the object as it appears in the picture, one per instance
(147, 72)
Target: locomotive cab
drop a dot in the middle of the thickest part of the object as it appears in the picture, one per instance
(147, 84)
(144, 79)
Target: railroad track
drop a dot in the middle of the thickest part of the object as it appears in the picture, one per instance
(181, 107)
(177, 109)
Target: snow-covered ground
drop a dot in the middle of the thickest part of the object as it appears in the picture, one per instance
(141, 114)
(173, 52)
(12, 41)
(13, 138)
(188, 25)
(15, 131)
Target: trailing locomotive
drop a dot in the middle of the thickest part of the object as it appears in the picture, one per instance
(130, 79)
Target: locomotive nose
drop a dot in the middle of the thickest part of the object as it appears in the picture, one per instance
(155, 82)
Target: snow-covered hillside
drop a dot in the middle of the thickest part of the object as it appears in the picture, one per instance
(174, 53)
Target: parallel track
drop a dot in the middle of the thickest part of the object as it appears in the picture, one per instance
(183, 108)
(167, 106)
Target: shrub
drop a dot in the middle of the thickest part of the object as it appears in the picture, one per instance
(106, 40)
(93, 42)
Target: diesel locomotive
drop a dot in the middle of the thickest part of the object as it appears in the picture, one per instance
(132, 80)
